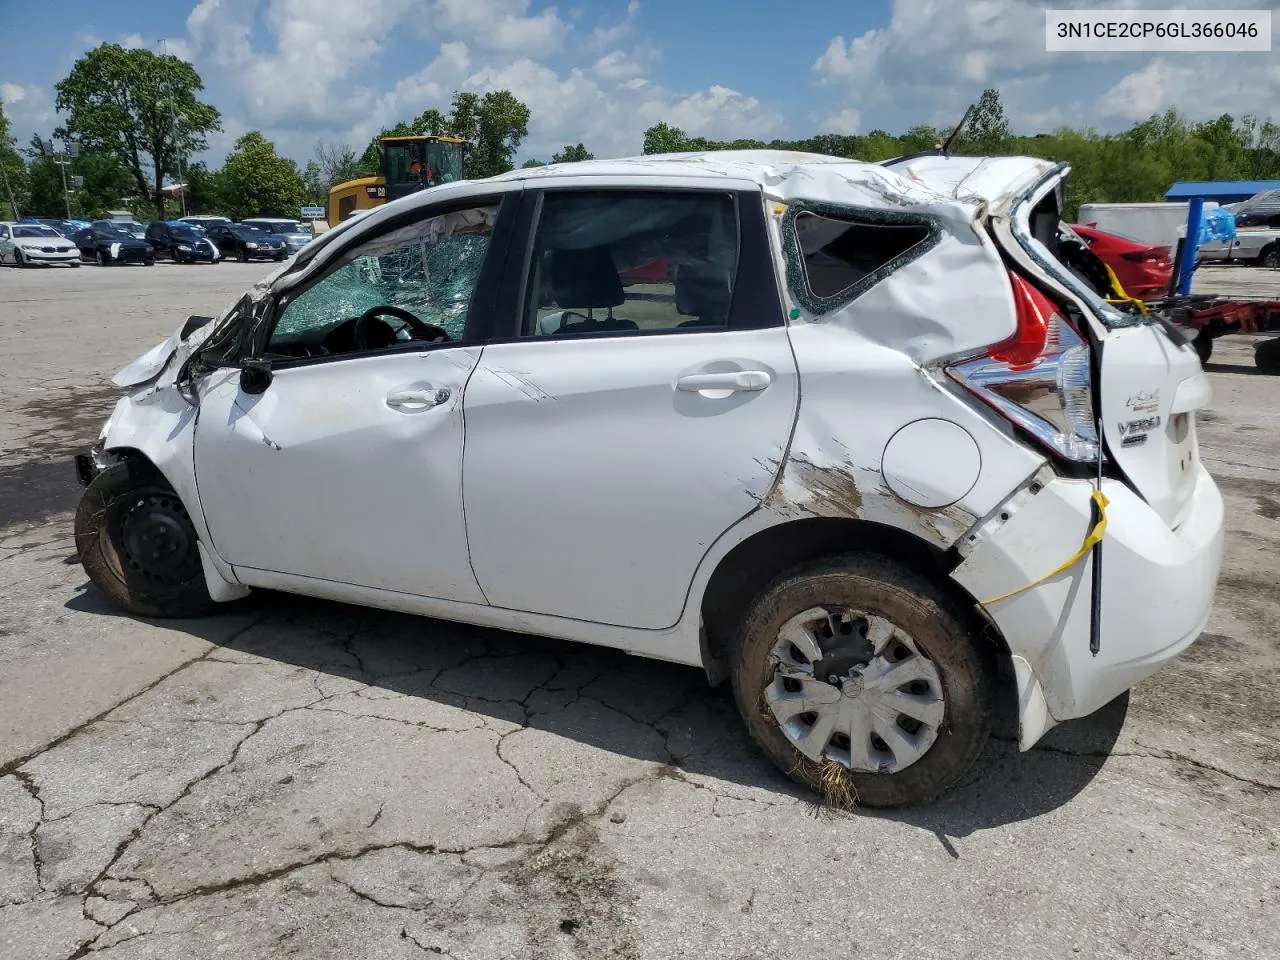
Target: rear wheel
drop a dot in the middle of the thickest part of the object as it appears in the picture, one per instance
(138, 544)
(861, 680)
(1266, 355)
(1270, 257)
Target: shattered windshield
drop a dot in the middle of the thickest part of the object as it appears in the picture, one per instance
(428, 268)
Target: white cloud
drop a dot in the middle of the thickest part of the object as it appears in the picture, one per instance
(298, 85)
(611, 119)
(1201, 89)
(499, 25)
(29, 109)
(317, 46)
(618, 65)
(717, 112)
(604, 37)
(932, 44)
(175, 48)
(132, 41)
(846, 121)
(934, 57)
(12, 93)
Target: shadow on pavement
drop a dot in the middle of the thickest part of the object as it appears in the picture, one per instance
(531, 680)
(1245, 368)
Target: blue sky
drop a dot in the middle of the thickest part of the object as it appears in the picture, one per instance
(601, 71)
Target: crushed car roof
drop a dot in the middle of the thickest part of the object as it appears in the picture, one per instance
(924, 179)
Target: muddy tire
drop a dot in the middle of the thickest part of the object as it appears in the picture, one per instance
(1266, 355)
(884, 623)
(138, 545)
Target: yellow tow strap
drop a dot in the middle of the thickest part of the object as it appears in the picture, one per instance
(1094, 536)
(1120, 296)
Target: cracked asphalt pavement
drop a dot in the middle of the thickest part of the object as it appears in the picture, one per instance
(301, 778)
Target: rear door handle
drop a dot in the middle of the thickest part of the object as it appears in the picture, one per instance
(429, 397)
(737, 380)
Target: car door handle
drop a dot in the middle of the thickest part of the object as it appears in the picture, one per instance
(429, 397)
(737, 380)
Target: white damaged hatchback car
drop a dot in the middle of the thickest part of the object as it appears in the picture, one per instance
(867, 440)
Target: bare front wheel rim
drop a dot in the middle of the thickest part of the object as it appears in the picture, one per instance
(854, 687)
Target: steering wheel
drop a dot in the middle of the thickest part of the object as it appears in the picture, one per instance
(421, 329)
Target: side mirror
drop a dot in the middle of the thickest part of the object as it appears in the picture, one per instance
(255, 376)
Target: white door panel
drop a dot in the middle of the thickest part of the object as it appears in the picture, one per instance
(347, 471)
(598, 471)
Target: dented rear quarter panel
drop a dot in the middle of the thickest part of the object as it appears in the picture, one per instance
(872, 366)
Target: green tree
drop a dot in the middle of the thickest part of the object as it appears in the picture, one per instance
(142, 108)
(431, 121)
(258, 182)
(501, 122)
(531, 163)
(105, 183)
(921, 137)
(337, 162)
(44, 190)
(13, 171)
(987, 131)
(573, 154)
(464, 115)
(314, 183)
(664, 138)
(205, 193)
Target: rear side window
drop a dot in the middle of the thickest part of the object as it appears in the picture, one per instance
(834, 255)
(611, 262)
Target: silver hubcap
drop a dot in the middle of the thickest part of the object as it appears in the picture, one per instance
(854, 688)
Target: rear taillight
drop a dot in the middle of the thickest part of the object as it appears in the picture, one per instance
(1040, 378)
(1148, 255)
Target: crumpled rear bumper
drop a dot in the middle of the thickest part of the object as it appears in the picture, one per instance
(1157, 587)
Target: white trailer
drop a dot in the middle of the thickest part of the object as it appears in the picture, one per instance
(1155, 223)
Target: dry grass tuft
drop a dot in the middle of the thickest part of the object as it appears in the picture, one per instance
(835, 786)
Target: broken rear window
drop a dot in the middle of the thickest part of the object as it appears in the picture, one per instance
(838, 254)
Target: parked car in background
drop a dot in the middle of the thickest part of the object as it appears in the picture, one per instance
(28, 244)
(246, 243)
(138, 230)
(1257, 238)
(204, 220)
(294, 233)
(181, 242)
(64, 227)
(108, 243)
(1143, 269)
(867, 429)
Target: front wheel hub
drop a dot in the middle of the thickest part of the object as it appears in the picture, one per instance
(157, 540)
(853, 687)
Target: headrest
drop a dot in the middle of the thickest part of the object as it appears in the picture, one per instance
(702, 290)
(585, 278)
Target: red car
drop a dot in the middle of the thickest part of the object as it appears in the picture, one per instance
(1143, 269)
